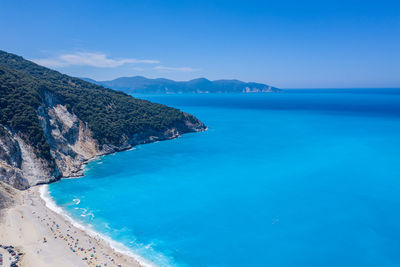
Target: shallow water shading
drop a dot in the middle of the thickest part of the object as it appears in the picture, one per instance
(303, 179)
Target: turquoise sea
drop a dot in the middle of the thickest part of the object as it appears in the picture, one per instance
(301, 178)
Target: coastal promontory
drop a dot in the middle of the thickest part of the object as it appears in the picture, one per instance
(51, 123)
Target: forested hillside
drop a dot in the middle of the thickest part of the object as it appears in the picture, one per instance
(114, 118)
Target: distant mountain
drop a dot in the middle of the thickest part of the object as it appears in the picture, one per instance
(142, 85)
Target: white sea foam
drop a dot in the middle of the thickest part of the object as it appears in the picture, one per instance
(83, 214)
(117, 246)
(93, 159)
(76, 201)
(86, 213)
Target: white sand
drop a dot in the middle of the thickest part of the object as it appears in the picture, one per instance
(32, 228)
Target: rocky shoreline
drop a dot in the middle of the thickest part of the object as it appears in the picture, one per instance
(51, 123)
(72, 145)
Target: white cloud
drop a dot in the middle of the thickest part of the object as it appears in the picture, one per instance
(181, 69)
(99, 60)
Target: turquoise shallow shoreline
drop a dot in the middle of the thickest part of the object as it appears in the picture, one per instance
(298, 179)
(87, 228)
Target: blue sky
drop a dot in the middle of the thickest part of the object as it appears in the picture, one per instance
(286, 43)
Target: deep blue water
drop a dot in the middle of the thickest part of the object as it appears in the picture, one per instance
(302, 178)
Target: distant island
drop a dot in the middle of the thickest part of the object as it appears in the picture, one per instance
(143, 85)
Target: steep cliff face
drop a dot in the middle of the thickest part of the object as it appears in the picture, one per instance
(71, 141)
(11, 160)
(51, 124)
(71, 145)
(19, 165)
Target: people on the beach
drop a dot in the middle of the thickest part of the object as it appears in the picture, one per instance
(88, 254)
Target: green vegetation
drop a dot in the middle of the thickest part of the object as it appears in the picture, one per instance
(112, 116)
(19, 101)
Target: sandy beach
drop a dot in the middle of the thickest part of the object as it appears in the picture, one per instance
(46, 238)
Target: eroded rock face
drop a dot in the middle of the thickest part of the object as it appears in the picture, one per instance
(34, 169)
(11, 161)
(7, 196)
(42, 139)
(71, 145)
(70, 139)
(19, 165)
